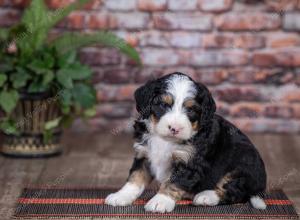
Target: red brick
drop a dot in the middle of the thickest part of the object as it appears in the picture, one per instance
(236, 93)
(58, 3)
(176, 5)
(278, 111)
(130, 20)
(20, 3)
(131, 38)
(246, 109)
(211, 77)
(153, 38)
(276, 76)
(120, 5)
(222, 108)
(215, 5)
(296, 110)
(184, 39)
(100, 56)
(114, 110)
(76, 20)
(148, 73)
(188, 21)
(248, 21)
(160, 57)
(282, 5)
(219, 58)
(115, 93)
(283, 40)
(297, 76)
(99, 21)
(9, 17)
(289, 93)
(94, 4)
(247, 41)
(269, 58)
(118, 75)
(261, 125)
(291, 21)
(152, 5)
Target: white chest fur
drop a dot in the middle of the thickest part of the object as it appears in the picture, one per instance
(160, 155)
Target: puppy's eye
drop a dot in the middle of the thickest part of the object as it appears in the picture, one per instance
(164, 105)
(189, 110)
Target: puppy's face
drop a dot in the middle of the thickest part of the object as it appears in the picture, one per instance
(173, 106)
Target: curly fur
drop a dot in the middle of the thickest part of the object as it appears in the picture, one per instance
(217, 152)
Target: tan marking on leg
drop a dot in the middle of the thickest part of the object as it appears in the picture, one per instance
(172, 191)
(220, 185)
(184, 154)
(140, 177)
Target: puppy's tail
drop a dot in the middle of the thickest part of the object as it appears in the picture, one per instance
(258, 202)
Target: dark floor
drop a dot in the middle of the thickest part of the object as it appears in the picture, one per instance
(91, 160)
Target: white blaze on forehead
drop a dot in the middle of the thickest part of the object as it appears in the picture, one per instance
(181, 87)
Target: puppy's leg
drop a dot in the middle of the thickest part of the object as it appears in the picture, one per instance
(213, 197)
(165, 199)
(138, 178)
(240, 187)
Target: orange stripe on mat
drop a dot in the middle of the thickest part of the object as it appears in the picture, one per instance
(101, 201)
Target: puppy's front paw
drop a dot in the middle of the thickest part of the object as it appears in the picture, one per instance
(119, 199)
(160, 203)
(207, 197)
(124, 196)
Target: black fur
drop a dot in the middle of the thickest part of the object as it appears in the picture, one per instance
(221, 148)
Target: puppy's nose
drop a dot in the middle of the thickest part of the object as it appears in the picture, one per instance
(174, 129)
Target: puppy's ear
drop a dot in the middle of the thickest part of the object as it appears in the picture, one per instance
(207, 103)
(143, 97)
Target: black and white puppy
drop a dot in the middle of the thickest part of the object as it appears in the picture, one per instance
(193, 152)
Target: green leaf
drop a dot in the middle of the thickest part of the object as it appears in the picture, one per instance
(3, 79)
(38, 67)
(55, 16)
(73, 41)
(64, 78)
(65, 97)
(84, 95)
(50, 125)
(47, 135)
(75, 71)
(37, 86)
(4, 33)
(9, 127)
(35, 20)
(67, 58)
(20, 78)
(67, 121)
(47, 78)
(91, 112)
(9, 100)
(38, 20)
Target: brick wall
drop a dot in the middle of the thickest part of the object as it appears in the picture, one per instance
(247, 52)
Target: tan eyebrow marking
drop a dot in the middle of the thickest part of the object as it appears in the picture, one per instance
(189, 103)
(167, 99)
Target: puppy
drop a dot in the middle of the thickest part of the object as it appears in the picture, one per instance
(191, 151)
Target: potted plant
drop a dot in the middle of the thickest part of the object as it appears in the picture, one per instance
(43, 84)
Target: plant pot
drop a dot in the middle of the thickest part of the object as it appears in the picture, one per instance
(31, 114)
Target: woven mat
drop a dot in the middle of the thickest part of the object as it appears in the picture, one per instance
(81, 203)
